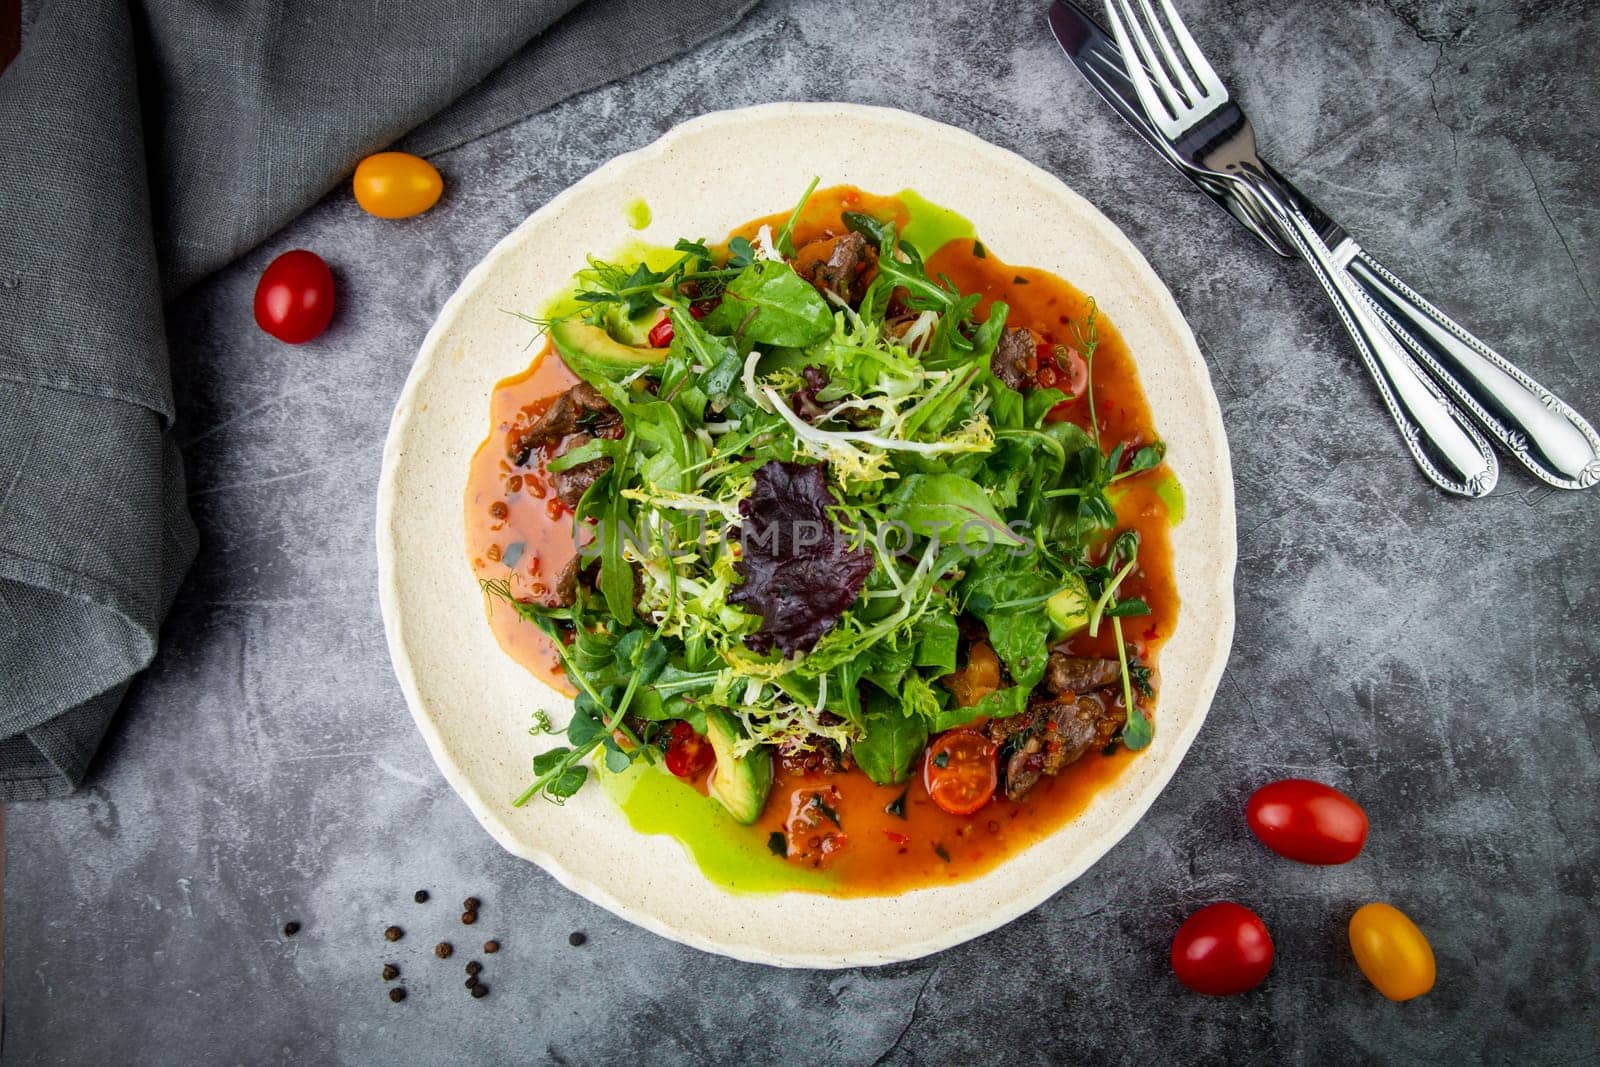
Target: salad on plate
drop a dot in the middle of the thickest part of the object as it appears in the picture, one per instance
(848, 540)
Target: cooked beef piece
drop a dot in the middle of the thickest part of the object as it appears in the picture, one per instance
(1080, 674)
(841, 272)
(804, 401)
(579, 408)
(572, 484)
(587, 571)
(897, 327)
(1051, 734)
(1012, 356)
(972, 628)
(567, 582)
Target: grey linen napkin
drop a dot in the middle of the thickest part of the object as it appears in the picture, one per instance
(143, 146)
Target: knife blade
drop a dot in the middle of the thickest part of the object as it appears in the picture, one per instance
(1097, 58)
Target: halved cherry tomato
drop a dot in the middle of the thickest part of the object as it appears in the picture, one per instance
(1307, 821)
(660, 335)
(687, 752)
(1073, 378)
(294, 299)
(396, 185)
(1392, 952)
(1222, 949)
(961, 769)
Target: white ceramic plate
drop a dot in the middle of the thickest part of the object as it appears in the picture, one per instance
(471, 702)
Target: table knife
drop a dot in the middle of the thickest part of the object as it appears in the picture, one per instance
(1531, 423)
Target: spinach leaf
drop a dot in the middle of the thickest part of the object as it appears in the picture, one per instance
(891, 743)
(1000, 704)
(1009, 596)
(937, 640)
(770, 304)
(950, 508)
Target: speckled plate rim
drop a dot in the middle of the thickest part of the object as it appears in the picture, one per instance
(471, 703)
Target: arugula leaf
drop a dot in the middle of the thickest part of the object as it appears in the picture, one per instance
(783, 241)
(770, 304)
(616, 575)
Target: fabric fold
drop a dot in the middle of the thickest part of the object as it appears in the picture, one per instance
(147, 145)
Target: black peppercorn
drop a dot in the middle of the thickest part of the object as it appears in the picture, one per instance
(443, 950)
(491, 947)
(576, 938)
(474, 968)
(290, 929)
(469, 917)
(480, 990)
(421, 896)
(472, 982)
(393, 933)
(390, 972)
(397, 994)
(471, 904)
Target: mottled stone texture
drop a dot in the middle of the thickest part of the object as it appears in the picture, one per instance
(1434, 657)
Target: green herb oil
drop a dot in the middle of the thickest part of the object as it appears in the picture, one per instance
(738, 858)
(932, 226)
(1170, 493)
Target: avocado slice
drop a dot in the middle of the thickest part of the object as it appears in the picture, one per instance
(739, 783)
(591, 352)
(1068, 609)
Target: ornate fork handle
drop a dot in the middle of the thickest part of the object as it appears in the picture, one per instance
(1536, 426)
(1435, 430)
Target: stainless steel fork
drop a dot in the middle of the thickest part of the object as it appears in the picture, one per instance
(1205, 131)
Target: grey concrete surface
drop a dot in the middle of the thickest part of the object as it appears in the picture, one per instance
(1434, 657)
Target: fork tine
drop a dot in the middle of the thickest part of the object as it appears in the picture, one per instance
(1175, 64)
(1141, 60)
(1158, 110)
(1175, 100)
(1191, 51)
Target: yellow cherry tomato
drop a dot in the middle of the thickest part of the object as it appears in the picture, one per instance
(1391, 951)
(396, 185)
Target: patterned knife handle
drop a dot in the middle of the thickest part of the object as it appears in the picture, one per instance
(1536, 426)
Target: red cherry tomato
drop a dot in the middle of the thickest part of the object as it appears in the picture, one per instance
(1074, 377)
(294, 299)
(1222, 949)
(660, 335)
(687, 752)
(961, 769)
(1307, 821)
